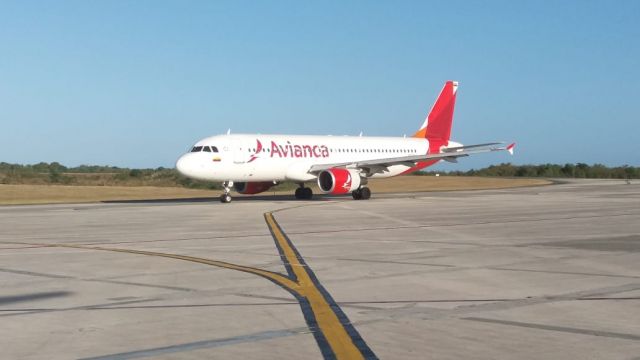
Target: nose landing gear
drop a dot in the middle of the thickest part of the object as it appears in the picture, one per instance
(226, 197)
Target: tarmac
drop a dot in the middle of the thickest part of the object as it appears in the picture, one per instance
(546, 272)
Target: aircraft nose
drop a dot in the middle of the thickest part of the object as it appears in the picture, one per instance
(182, 165)
(193, 166)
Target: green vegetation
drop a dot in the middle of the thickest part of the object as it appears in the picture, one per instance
(55, 173)
(580, 170)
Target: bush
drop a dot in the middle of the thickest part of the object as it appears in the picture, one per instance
(135, 173)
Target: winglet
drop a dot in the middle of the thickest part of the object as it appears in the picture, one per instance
(510, 148)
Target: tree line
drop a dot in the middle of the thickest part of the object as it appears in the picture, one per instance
(56, 173)
(579, 170)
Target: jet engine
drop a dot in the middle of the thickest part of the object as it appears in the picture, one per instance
(251, 188)
(338, 181)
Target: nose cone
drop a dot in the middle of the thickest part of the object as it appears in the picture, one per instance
(182, 165)
(195, 166)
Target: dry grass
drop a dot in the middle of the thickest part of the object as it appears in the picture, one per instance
(46, 194)
(447, 183)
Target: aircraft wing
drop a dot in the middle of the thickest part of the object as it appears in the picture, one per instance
(447, 154)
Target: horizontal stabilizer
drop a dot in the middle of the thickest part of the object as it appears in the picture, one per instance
(467, 147)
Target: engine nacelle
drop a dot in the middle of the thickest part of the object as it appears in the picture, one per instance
(251, 188)
(338, 181)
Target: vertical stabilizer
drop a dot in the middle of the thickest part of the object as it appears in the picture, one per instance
(437, 125)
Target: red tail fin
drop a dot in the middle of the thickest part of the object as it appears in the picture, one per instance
(437, 125)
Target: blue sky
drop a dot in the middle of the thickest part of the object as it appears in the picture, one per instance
(134, 83)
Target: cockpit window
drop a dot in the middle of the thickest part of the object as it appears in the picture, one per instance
(205, 149)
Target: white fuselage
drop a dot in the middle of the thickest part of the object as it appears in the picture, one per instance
(241, 157)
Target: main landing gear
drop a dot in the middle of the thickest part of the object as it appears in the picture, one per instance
(303, 193)
(226, 197)
(362, 193)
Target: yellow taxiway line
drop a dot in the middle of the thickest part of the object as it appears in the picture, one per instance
(341, 342)
(275, 277)
(334, 333)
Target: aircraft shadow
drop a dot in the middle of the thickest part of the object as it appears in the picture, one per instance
(213, 199)
(34, 296)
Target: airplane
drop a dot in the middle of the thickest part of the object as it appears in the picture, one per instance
(253, 163)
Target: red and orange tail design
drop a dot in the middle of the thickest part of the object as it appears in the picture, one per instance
(437, 125)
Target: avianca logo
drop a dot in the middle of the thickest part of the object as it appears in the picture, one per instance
(298, 151)
(290, 150)
(347, 183)
(258, 150)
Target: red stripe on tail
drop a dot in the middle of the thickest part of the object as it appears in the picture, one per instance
(437, 126)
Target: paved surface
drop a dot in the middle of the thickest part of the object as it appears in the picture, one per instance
(542, 272)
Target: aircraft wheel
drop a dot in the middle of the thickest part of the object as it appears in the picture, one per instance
(357, 194)
(366, 193)
(307, 193)
(298, 193)
(225, 198)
